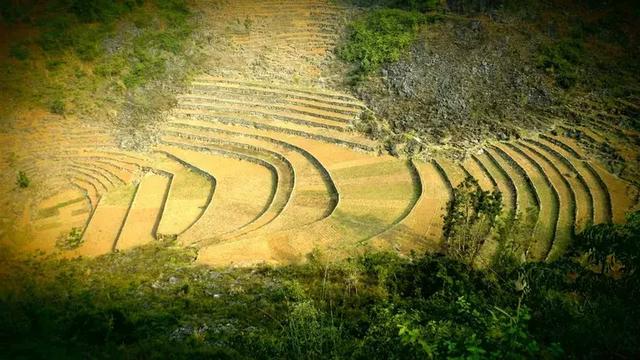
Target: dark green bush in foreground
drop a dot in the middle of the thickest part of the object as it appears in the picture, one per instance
(155, 303)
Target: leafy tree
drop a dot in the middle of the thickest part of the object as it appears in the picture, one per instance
(606, 243)
(471, 215)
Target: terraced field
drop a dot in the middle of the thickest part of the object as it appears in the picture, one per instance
(259, 162)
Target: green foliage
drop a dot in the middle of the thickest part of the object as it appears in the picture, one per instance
(513, 234)
(148, 58)
(22, 180)
(309, 333)
(606, 244)
(471, 215)
(70, 241)
(19, 51)
(506, 334)
(124, 47)
(562, 60)
(413, 5)
(419, 5)
(81, 25)
(87, 42)
(55, 32)
(52, 65)
(101, 10)
(380, 37)
(57, 107)
(154, 302)
(144, 66)
(110, 66)
(13, 11)
(475, 6)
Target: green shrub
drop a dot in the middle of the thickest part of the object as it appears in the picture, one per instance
(71, 240)
(22, 180)
(82, 24)
(101, 10)
(87, 42)
(54, 32)
(154, 302)
(415, 5)
(110, 66)
(19, 51)
(471, 216)
(563, 60)
(380, 37)
(57, 107)
(145, 66)
(176, 7)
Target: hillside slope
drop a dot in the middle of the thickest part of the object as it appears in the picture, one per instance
(259, 161)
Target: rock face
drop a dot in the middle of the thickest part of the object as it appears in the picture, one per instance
(461, 83)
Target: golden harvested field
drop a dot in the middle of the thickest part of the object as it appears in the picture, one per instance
(259, 162)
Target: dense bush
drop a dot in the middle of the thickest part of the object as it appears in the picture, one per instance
(102, 10)
(81, 25)
(470, 219)
(419, 5)
(562, 60)
(380, 37)
(155, 303)
(459, 6)
(471, 6)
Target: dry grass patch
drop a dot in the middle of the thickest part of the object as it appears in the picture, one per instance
(188, 197)
(244, 190)
(141, 224)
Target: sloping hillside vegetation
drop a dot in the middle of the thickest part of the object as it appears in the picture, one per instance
(466, 71)
(102, 61)
(155, 303)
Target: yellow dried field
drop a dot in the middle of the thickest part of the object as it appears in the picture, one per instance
(146, 209)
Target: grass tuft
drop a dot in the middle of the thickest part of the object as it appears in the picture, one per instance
(57, 107)
(22, 180)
